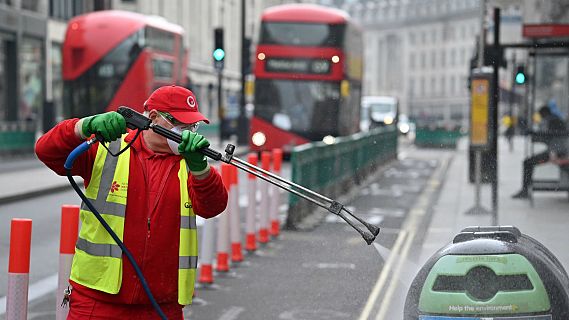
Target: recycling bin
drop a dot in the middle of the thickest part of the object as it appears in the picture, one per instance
(490, 273)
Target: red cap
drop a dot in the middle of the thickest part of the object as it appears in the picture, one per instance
(180, 102)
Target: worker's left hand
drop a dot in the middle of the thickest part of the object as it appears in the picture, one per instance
(191, 143)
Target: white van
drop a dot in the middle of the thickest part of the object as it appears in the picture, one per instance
(379, 111)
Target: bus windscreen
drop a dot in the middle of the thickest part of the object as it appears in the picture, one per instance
(95, 88)
(306, 108)
(302, 34)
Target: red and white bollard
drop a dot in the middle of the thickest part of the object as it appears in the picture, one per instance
(265, 201)
(207, 252)
(67, 239)
(19, 269)
(275, 194)
(223, 225)
(250, 239)
(235, 218)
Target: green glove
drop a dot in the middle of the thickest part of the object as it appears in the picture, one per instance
(110, 125)
(191, 143)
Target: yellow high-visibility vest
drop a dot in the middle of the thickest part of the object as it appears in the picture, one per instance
(97, 263)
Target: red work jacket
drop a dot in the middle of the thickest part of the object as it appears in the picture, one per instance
(151, 230)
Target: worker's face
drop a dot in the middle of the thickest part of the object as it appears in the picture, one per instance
(155, 141)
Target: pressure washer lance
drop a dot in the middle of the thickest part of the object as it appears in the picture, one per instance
(135, 120)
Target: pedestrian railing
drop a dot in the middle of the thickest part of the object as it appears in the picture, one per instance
(17, 137)
(428, 137)
(333, 169)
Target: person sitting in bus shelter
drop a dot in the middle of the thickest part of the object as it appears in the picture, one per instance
(553, 132)
(149, 195)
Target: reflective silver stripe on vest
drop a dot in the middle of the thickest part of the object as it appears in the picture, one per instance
(188, 222)
(101, 204)
(97, 249)
(190, 262)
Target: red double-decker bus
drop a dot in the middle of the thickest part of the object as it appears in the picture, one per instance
(308, 74)
(113, 58)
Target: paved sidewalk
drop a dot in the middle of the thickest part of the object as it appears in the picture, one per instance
(547, 221)
(13, 187)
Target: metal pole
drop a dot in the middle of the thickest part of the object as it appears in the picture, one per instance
(477, 174)
(243, 132)
(482, 39)
(494, 121)
(220, 106)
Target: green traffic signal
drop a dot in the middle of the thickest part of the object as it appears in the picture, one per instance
(218, 54)
(520, 78)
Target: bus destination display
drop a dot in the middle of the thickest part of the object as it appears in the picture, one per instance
(306, 66)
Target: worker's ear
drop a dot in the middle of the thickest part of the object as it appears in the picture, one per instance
(152, 114)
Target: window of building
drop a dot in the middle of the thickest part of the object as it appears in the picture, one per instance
(57, 80)
(412, 87)
(423, 60)
(412, 38)
(452, 57)
(433, 59)
(412, 60)
(7, 2)
(31, 78)
(443, 85)
(422, 93)
(452, 85)
(31, 5)
(443, 58)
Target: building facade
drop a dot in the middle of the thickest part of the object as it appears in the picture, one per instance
(419, 51)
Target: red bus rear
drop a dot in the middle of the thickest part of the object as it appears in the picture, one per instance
(308, 75)
(114, 58)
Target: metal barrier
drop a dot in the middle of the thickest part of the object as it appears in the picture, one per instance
(17, 137)
(334, 169)
(437, 137)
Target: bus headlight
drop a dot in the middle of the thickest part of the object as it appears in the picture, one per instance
(388, 120)
(329, 140)
(259, 138)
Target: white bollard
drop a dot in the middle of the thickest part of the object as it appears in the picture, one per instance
(265, 202)
(223, 226)
(19, 269)
(275, 194)
(207, 252)
(67, 238)
(250, 238)
(235, 218)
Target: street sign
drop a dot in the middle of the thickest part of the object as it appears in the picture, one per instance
(545, 30)
(480, 109)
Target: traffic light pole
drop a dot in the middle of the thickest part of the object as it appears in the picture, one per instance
(494, 121)
(243, 123)
(220, 112)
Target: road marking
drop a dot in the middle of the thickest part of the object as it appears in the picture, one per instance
(386, 302)
(408, 231)
(232, 313)
(36, 290)
(383, 276)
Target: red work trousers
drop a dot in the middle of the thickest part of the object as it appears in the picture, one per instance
(83, 307)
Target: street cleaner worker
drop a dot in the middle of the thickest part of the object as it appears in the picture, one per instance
(149, 195)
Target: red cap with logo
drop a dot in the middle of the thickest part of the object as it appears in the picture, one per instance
(179, 102)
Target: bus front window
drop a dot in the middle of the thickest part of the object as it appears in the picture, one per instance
(307, 108)
(302, 34)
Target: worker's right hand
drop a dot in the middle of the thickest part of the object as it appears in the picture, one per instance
(110, 125)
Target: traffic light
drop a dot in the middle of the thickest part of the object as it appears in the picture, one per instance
(218, 50)
(520, 76)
